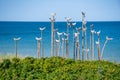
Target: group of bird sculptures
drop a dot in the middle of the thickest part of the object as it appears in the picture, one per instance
(62, 43)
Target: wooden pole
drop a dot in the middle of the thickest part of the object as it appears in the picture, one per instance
(42, 41)
(59, 37)
(103, 48)
(87, 50)
(38, 47)
(97, 43)
(91, 42)
(16, 49)
(99, 54)
(86, 41)
(92, 46)
(73, 45)
(78, 45)
(78, 51)
(52, 33)
(39, 53)
(107, 39)
(63, 41)
(83, 42)
(67, 41)
(83, 35)
(57, 47)
(53, 42)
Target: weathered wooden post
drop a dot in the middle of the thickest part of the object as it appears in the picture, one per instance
(107, 39)
(55, 43)
(42, 42)
(77, 50)
(98, 44)
(16, 47)
(78, 44)
(39, 46)
(83, 34)
(52, 33)
(92, 44)
(63, 42)
(67, 40)
(73, 26)
(57, 47)
(59, 34)
(87, 49)
(83, 41)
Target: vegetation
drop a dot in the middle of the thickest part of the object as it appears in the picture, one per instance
(57, 68)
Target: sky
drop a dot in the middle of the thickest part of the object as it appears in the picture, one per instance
(40, 10)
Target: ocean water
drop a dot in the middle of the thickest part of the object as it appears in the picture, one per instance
(27, 46)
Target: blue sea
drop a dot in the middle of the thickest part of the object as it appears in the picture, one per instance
(27, 46)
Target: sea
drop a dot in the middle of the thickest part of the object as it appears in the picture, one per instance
(28, 31)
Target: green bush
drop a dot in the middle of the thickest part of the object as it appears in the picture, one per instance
(57, 68)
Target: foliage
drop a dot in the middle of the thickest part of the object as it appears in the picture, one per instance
(57, 68)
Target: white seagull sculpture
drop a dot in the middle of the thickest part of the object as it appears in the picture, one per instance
(108, 38)
(43, 28)
(16, 39)
(38, 38)
(98, 32)
(58, 33)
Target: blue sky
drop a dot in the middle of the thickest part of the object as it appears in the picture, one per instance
(39, 10)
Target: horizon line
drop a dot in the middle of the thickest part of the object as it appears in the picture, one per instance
(60, 21)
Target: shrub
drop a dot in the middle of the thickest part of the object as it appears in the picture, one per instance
(57, 68)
